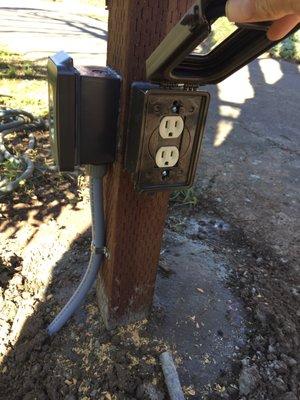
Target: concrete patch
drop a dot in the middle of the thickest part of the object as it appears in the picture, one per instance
(201, 319)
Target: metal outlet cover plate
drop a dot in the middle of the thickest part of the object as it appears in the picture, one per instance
(147, 110)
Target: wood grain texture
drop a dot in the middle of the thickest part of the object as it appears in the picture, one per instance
(135, 222)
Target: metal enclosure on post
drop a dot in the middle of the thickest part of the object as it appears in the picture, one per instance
(135, 221)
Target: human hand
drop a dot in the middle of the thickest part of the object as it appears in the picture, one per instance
(284, 13)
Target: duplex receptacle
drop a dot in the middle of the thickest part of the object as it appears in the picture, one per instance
(167, 156)
(164, 136)
(171, 126)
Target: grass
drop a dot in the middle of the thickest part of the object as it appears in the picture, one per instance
(9, 170)
(23, 83)
(30, 95)
(186, 197)
(13, 65)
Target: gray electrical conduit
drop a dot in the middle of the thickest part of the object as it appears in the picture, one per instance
(97, 251)
(13, 121)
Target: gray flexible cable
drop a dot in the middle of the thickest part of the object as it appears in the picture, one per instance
(97, 255)
(15, 121)
(171, 376)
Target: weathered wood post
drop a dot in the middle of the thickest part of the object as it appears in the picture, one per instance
(135, 222)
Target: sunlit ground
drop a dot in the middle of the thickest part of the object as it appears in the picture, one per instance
(31, 95)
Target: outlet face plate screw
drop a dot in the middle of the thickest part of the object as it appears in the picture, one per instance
(176, 107)
(165, 174)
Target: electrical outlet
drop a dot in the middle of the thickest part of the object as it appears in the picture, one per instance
(171, 127)
(164, 136)
(83, 113)
(167, 156)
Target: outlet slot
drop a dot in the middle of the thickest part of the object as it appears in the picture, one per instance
(167, 156)
(171, 127)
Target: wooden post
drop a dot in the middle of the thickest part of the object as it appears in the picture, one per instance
(135, 222)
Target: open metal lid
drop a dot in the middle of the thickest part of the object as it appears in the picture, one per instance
(173, 61)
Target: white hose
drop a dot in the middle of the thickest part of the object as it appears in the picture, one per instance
(97, 254)
(171, 376)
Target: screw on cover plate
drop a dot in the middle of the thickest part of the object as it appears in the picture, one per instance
(165, 174)
(176, 107)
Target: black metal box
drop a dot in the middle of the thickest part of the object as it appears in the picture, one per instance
(62, 77)
(98, 115)
(83, 113)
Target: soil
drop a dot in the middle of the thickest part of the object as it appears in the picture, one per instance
(267, 366)
(45, 237)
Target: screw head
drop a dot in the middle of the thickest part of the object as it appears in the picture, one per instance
(165, 174)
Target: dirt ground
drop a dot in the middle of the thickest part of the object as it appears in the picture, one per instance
(248, 317)
(227, 299)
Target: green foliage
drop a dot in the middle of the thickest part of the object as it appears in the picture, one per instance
(13, 66)
(30, 95)
(185, 197)
(9, 170)
(288, 49)
(23, 83)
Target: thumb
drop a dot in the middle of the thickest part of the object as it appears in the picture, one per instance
(260, 10)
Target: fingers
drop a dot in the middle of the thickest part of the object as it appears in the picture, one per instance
(282, 27)
(260, 10)
(240, 10)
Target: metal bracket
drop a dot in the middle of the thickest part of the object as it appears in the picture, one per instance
(106, 252)
(100, 250)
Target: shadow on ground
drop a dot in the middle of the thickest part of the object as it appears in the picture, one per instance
(250, 161)
(41, 31)
(42, 197)
(43, 16)
(195, 313)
